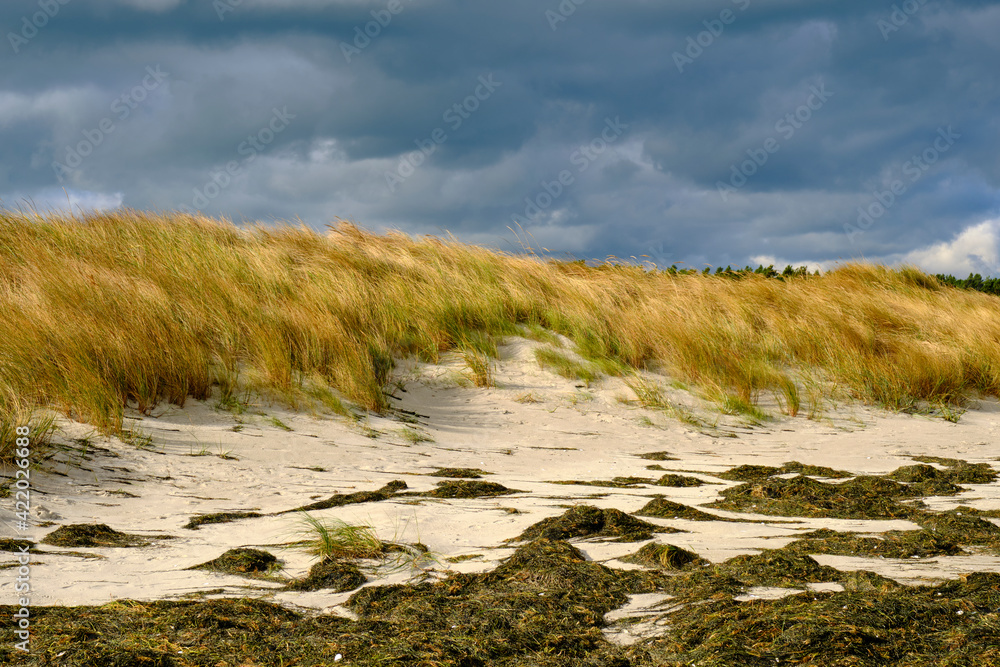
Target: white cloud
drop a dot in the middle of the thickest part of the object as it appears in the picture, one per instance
(974, 250)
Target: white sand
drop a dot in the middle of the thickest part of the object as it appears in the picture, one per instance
(573, 433)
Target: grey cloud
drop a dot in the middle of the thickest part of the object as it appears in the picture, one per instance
(657, 188)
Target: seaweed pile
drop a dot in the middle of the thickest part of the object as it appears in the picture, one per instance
(337, 575)
(543, 606)
(242, 561)
(219, 517)
(461, 473)
(589, 521)
(662, 508)
(467, 489)
(93, 535)
(757, 473)
(873, 622)
(866, 497)
(339, 500)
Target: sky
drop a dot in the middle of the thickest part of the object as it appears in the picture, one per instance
(702, 132)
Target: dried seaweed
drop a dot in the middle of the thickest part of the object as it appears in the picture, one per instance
(219, 517)
(340, 500)
(662, 508)
(337, 575)
(589, 521)
(93, 535)
(242, 561)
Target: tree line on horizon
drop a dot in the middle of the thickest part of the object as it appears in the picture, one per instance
(975, 281)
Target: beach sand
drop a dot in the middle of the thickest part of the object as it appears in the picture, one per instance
(534, 428)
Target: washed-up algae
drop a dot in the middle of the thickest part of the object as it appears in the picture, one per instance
(658, 456)
(866, 497)
(891, 544)
(757, 473)
(872, 623)
(15, 545)
(93, 535)
(665, 556)
(589, 521)
(963, 472)
(241, 561)
(340, 500)
(542, 607)
(615, 483)
(336, 575)
(219, 517)
(662, 508)
(961, 527)
(959, 473)
(467, 489)
(680, 481)
(460, 473)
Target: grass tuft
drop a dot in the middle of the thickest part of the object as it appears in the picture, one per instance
(335, 539)
(560, 364)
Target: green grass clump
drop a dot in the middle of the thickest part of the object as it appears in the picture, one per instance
(414, 437)
(335, 539)
(737, 405)
(562, 365)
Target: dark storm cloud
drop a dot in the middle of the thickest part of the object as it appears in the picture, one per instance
(743, 130)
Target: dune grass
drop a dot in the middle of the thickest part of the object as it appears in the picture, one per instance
(132, 308)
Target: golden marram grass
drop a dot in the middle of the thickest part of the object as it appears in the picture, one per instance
(135, 308)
